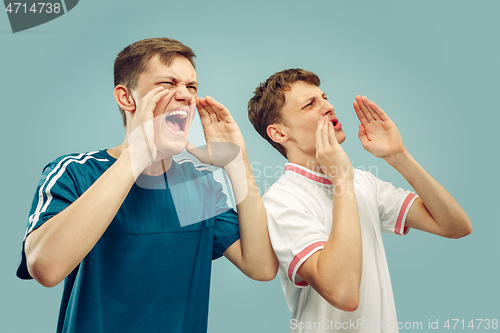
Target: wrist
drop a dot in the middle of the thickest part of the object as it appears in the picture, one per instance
(138, 159)
(237, 165)
(398, 159)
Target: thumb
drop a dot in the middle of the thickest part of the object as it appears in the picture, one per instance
(362, 136)
(189, 146)
(196, 152)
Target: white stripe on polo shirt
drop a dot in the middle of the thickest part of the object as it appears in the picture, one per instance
(51, 179)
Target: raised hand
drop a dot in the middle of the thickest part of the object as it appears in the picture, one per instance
(141, 144)
(332, 158)
(377, 132)
(222, 134)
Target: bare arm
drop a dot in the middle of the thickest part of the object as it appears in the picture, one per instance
(435, 211)
(335, 271)
(59, 245)
(252, 253)
(55, 248)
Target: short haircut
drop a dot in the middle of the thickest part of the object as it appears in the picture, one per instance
(264, 108)
(133, 60)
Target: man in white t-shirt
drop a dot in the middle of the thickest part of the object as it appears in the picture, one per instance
(325, 218)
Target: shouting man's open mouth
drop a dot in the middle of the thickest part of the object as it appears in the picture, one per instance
(176, 121)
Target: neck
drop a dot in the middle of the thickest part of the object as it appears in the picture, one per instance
(307, 161)
(159, 167)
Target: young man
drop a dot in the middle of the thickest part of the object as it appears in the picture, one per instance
(132, 231)
(325, 218)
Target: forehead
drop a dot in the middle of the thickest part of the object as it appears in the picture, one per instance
(300, 91)
(180, 69)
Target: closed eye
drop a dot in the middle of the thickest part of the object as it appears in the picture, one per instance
(309, 104)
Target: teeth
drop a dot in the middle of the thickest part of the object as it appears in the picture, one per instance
(183, 114)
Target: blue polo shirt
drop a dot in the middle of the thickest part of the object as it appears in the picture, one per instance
(150, 271)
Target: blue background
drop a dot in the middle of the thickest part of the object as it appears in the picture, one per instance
(433, 66)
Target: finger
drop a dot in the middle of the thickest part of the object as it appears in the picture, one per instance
(331, 134)
(360, 114)
(319, 143)
(153, 92)
(192, 104)
(153, 100)
(215, 108)
(324, 133)
(222, 109)
(155, 95)
(210, 110)
(366, 103)
(382, 115)
(148, 100)
(365, 111)
(204, 115)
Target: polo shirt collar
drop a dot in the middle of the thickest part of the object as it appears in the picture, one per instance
(309, 174)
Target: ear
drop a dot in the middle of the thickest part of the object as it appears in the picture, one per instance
(277, 133)
(123, 97)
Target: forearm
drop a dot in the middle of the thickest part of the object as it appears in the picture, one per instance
(60, 244)
(441, 205)
(257, 254)
(340, 263)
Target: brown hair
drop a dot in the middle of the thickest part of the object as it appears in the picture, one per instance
(265, 106)
(132, 61)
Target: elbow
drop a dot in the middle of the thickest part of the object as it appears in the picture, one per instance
(350, 306)
(465, 230)
(263, 274)
(462, 234)
(43, 272)
(264, 271)
(348, 302)
(262, 277)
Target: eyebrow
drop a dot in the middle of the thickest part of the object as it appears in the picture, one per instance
(174, 79)
(307, 101)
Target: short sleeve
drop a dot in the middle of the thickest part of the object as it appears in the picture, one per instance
(226, 228)
(294, 231)
(56, 190)
(393, 204)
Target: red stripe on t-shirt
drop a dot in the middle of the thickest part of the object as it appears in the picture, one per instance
(308, 174)
(299, 257)
(397, 229)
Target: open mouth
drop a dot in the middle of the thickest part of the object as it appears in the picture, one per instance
(336, 124)
(176, 121)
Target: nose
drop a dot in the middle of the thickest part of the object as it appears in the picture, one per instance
(182, 93)
(327, 108)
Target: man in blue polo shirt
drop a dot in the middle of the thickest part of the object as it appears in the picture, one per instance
(132, 231)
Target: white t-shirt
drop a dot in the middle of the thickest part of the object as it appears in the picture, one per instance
(299, 207)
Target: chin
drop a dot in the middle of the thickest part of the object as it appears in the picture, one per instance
(340, 136)
(171, 148)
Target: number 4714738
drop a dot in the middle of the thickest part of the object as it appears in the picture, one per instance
(473, 324)
(36, 8)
